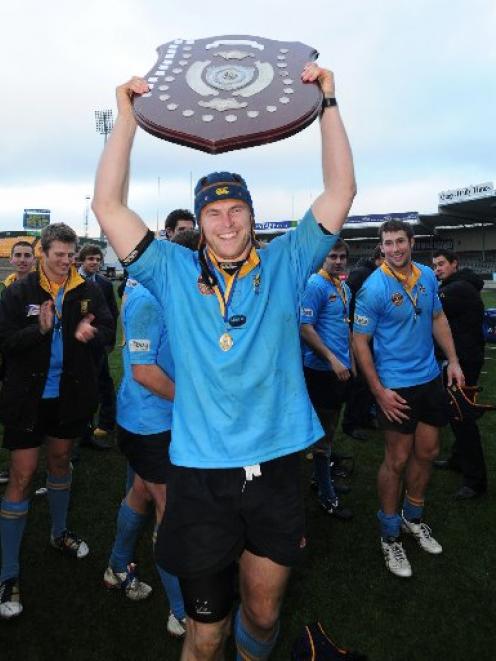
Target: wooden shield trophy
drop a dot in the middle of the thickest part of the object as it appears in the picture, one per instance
(229, 92)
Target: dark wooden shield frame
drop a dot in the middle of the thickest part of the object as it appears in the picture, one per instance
(228, 92)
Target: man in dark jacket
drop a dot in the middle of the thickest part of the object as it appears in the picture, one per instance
(91, 258)
(459, 292)
(51, 324)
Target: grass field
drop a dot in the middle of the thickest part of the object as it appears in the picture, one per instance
(444, 612)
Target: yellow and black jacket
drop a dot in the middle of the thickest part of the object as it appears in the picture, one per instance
(26, 351)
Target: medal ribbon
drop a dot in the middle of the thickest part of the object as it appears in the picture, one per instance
(407, 282)
(339, 288)
(223, 296)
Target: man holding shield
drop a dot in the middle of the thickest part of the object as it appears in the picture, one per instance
(241, 409)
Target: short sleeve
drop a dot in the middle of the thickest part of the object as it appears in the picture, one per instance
(311, 303)
(150, 269)
(437, 306)
(366, 310)
(143, 322)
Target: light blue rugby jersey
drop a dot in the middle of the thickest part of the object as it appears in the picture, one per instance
(139, 410)
(323, 308)
(403, 346)
(249, 404)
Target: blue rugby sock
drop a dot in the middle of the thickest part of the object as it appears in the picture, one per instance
(248, 647)
(413, 508)
(129, 525)
(323, 476)
(59, 494)
(390, 524)
(12, 523)
(173, 592)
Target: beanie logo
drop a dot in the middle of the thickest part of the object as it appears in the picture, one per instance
(222, 191)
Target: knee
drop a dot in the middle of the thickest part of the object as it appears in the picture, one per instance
(262, 615)
(205, 641)
(59, 463)
(396, 464)
(140, 490)
(19, 481)
(427, 454)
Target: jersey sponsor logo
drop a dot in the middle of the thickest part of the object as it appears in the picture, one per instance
(307, 312)
(397, 298)
(422, 289)
(32, 310)
(204, 289)
(361, 320)
(237, 320)
(332, 298)
(139, 345)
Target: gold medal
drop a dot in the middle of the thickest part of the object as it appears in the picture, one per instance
(226, 342)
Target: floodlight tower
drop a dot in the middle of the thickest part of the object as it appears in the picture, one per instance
(86, 214)
(104, 124)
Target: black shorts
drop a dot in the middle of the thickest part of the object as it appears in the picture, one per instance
(147, 454)
(48, 424)
(325, 390)
(428, 403)
(214, 514)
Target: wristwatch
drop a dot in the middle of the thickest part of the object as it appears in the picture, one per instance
(328, 102)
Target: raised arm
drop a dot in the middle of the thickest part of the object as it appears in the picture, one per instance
(332, 206)
(123, 228)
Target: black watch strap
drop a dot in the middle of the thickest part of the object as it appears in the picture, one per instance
(328, 102)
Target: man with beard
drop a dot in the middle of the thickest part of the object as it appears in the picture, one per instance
(328, 362)
(398, 306)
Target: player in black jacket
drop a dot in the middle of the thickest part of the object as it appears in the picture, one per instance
(51, 324)
(459, 292)
(91, 258)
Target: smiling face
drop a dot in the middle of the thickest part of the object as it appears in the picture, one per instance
(91, 264)
(226, 226)
(22, 259)
(443, 268)
(397, 249)
(57, 260)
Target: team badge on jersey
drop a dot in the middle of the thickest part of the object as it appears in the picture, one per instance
(397, 298)
(205, 290)
(422, 289)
